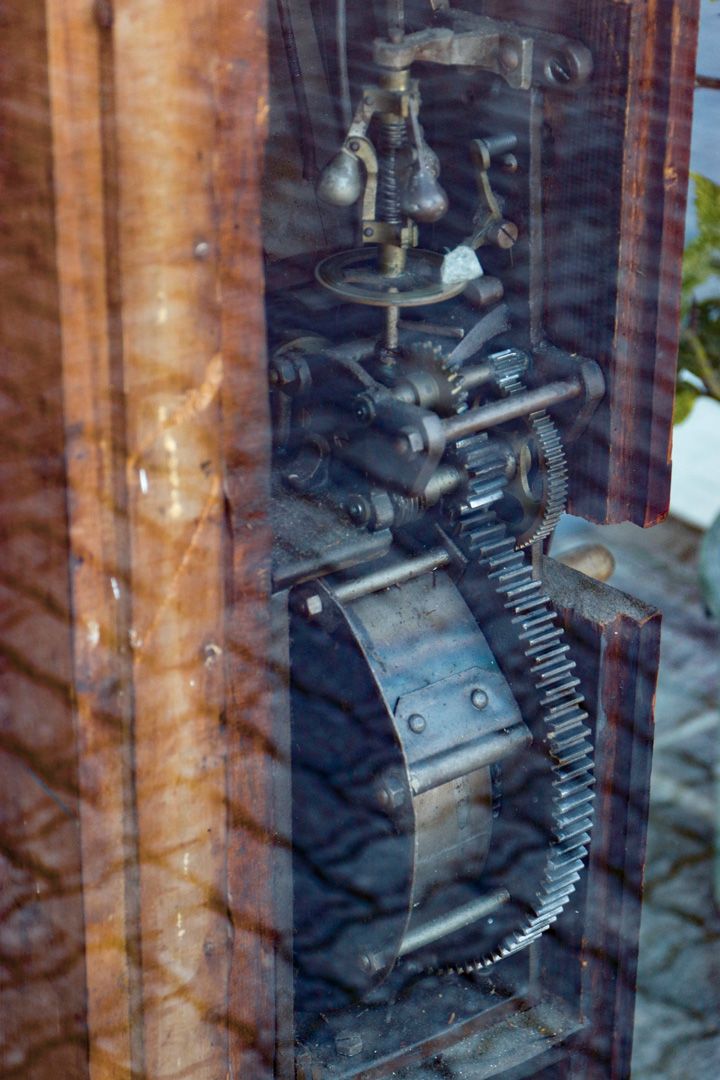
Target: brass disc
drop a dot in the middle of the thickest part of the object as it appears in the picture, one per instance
(354, 276)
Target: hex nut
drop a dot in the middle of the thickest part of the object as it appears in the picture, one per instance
(391, 793)
(348, 1043)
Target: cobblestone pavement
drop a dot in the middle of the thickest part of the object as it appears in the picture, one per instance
(677, 1023)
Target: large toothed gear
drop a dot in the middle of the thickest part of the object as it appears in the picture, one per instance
(520, 624)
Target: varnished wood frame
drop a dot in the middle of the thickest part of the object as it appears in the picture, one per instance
(105, 148)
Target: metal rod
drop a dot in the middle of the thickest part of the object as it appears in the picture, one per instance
(342, 62)
(422, 327)
(307, 138)
(391, 327)
(454, 920)
(510, 408)
(391, 575)
(476, 376)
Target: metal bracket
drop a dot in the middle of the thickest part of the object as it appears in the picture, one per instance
(522, 56)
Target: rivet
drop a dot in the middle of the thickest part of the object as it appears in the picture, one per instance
(416, 723)
(479, 699)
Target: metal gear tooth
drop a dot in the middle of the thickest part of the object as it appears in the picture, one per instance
(574, 764)
(556, 672)
(533, 620)
(560, 691)
(550, 452)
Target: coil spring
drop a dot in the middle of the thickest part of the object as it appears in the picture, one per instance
(391, 137)
(407, 509)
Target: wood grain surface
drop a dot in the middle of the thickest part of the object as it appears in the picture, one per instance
(42, 991)
(141, 758)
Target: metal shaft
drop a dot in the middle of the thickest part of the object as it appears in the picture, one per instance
(455, 920)
(510, 408)
(392, 575)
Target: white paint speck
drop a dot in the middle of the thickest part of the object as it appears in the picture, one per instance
(186, 863)
(115, 588)
(93, 633)
(143, 482)
(181, 931)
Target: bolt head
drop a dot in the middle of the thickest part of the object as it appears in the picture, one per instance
(410, 443)
(479, 699)
(372, 962)
(391, 793)
(416, 723)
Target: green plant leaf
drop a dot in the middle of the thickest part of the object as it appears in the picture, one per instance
(699, 347)
(707, 203)
(685, 398)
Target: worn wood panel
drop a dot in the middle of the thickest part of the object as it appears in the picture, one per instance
(617, 155)
(42, 1022)
(164, 58)
(93, 408)
(242, 112)
(616, 644)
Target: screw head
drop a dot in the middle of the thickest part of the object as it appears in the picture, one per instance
(479, 699)
(368, 231)
(503, 233)
(416, 723)
(354, 146)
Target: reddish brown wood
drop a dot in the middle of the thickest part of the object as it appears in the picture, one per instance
(242, 110)
(98, 539)
(616, 643)
(42, 1001)
(164, 59)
